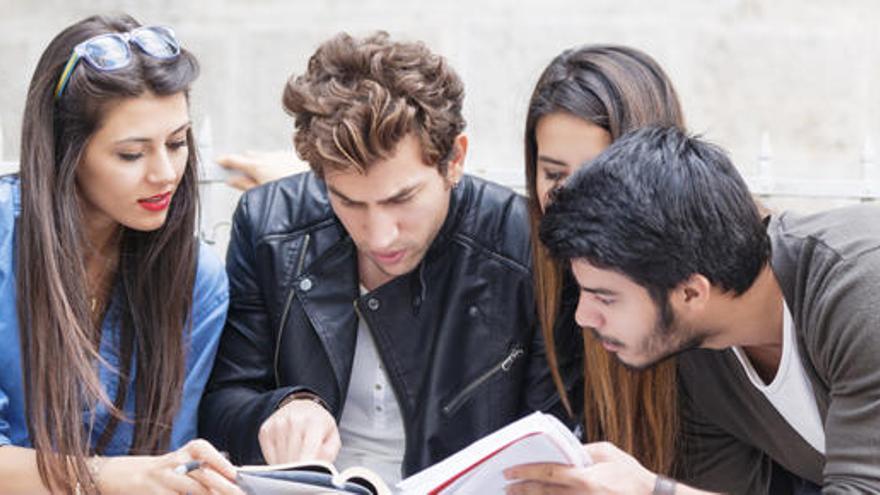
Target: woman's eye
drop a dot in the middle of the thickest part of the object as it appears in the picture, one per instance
(130, 157)
(176, 145)
(554, 176)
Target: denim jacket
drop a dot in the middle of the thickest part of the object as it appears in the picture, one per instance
(210, 301)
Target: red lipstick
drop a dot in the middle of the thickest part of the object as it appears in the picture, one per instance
(156, 203)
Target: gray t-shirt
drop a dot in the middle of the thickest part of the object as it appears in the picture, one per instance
(828, 266)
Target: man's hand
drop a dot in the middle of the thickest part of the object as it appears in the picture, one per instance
(300, 430)
(613, 471)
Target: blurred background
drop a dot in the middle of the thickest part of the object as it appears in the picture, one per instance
(789, 87)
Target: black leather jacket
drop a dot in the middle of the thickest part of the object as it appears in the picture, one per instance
(458, 336)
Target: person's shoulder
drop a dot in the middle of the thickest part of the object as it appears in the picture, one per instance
(10, 200)
(211, 286)
(708, 375)
(290, 204)
(10, 208)
(491, 194)
(847, 233)
(497, 219)
(8, 211)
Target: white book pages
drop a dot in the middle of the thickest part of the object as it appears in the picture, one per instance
(479, 468)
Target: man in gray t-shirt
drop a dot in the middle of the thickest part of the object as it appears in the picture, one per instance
(780, 318)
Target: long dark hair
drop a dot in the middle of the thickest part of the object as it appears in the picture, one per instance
(155, 275)
(618, 89)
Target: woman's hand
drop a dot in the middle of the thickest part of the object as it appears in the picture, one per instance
(612, 471)
(160, 474)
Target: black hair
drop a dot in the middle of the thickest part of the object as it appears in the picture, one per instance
(659, 206)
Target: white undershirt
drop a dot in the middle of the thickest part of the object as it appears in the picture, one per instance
(371, 427)
(790, 392)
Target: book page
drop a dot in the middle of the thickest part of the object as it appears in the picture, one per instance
(309, 477)
(366, 477)
(488, 477)
(453, 470)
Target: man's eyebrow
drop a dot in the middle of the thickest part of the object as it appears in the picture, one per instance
(406, 191)
(552, 161)
(342, 196)
(599, 291)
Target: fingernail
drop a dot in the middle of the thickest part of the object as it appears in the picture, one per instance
(508, 474)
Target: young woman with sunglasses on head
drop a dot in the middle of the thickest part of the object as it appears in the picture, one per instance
(110, 312)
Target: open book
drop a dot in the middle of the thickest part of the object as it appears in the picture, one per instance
(478, 468)
(309, 478)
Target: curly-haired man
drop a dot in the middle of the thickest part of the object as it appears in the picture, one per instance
(382, 301)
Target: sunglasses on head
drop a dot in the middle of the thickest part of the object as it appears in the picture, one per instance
(111, 51)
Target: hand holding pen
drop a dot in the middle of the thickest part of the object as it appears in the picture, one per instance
(188, 467)
(203, 469)
(197, 468)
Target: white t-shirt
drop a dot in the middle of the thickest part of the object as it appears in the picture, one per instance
(371, 427)
(790, 392)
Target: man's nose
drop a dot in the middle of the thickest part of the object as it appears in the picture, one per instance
(381, 229)
(587, 315)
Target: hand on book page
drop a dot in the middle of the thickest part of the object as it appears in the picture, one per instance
(613, 472)
(479, 468)
(309, 478)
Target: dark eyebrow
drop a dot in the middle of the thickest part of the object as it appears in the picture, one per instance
(342, 196)
(552, 161)
(406, 191)
(599, 291)
(182, 127)
(147, 140)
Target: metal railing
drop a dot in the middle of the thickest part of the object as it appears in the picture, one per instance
(765, 184)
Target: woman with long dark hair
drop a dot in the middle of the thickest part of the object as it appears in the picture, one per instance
(584, 100)
(110, 313)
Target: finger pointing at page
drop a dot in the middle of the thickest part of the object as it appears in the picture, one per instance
(299, 430)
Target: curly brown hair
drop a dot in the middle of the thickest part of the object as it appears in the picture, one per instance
(360, 97)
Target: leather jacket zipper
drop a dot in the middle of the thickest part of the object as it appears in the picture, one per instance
(302, 255)
(453, 405)
(299, 267)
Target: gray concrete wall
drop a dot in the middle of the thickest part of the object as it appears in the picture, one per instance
(806, 72)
